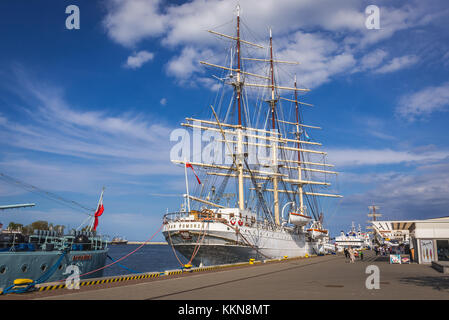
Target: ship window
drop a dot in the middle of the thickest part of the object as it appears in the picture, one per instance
(218, 215)
(60, 267)
(24, 268)
(44, 267)
(231, 215)
(3, 269)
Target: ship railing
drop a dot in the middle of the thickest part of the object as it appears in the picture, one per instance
(209, 216)
(47, 240)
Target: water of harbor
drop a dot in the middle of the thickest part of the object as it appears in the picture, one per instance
(149, 258)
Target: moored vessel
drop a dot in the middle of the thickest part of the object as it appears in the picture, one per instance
(118, 240)
(51, 255)
(354, 239)
(271, 158)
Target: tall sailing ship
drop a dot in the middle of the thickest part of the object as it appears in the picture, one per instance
(267, 153)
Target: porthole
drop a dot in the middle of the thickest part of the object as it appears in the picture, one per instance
(24, 268)
(3, 269)
(44, 267)
(60, 267)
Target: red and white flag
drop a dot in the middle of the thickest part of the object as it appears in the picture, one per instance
(99, 212)
(188, 165)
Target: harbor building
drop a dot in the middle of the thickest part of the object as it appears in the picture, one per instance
(428, 239)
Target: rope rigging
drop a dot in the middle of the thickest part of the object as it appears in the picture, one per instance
(47, 194)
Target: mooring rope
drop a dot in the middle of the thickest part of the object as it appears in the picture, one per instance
(198, 245)
(124, 267)
(195, 249)
(122, 258)
(41, 279)
(173, 248)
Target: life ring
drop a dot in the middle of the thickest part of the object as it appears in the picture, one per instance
(240, 222)
(232, 221)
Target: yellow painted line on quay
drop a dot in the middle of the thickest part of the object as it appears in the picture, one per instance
(84, 283)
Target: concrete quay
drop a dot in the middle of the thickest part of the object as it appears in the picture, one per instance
(324, 277)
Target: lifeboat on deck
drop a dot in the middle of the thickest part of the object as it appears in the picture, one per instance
(315, 233)
(299, 219)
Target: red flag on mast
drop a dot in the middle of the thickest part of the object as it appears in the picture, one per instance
(98, 213)
(188, 165)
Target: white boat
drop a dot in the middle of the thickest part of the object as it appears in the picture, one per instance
(299, 219)
(353, 239)
(316, 230)
(317, 233)
(208, 230)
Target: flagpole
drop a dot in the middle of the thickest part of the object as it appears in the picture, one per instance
(100, 200)
(187, 186)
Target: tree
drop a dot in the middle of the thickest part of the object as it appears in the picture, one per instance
(40, 225)
(15, 226)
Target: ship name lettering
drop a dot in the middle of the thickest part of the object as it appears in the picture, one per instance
(82, 257)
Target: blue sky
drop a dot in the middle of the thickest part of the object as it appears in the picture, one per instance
(82, 109)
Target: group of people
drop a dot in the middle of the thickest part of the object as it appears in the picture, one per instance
(351, 254)
(383, 251)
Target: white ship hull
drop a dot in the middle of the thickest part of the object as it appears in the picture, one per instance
(218, 243)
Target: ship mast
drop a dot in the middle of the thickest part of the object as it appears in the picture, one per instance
(373, 214)
(300, 190)
(234, 136)
(274, 143)
(240, 154)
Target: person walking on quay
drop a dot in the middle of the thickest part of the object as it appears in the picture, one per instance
(346, 253)
(361, 255)
(351, 254)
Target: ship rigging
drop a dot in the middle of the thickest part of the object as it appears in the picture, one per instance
(268, 153)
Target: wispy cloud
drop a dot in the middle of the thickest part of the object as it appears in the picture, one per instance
(398, 63)
(86, 148)
(368, 157)
(424, 102)
(138, 59)
(419, 194)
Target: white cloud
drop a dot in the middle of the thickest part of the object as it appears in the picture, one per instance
(122, 143)
(398, 63)
(424, 102)
(367, 157)
(419, 194)
(186, 64)
(319, 56)
(129, 21)
(372, 60)
(138, 59)
(323, 55)
(163, 101)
